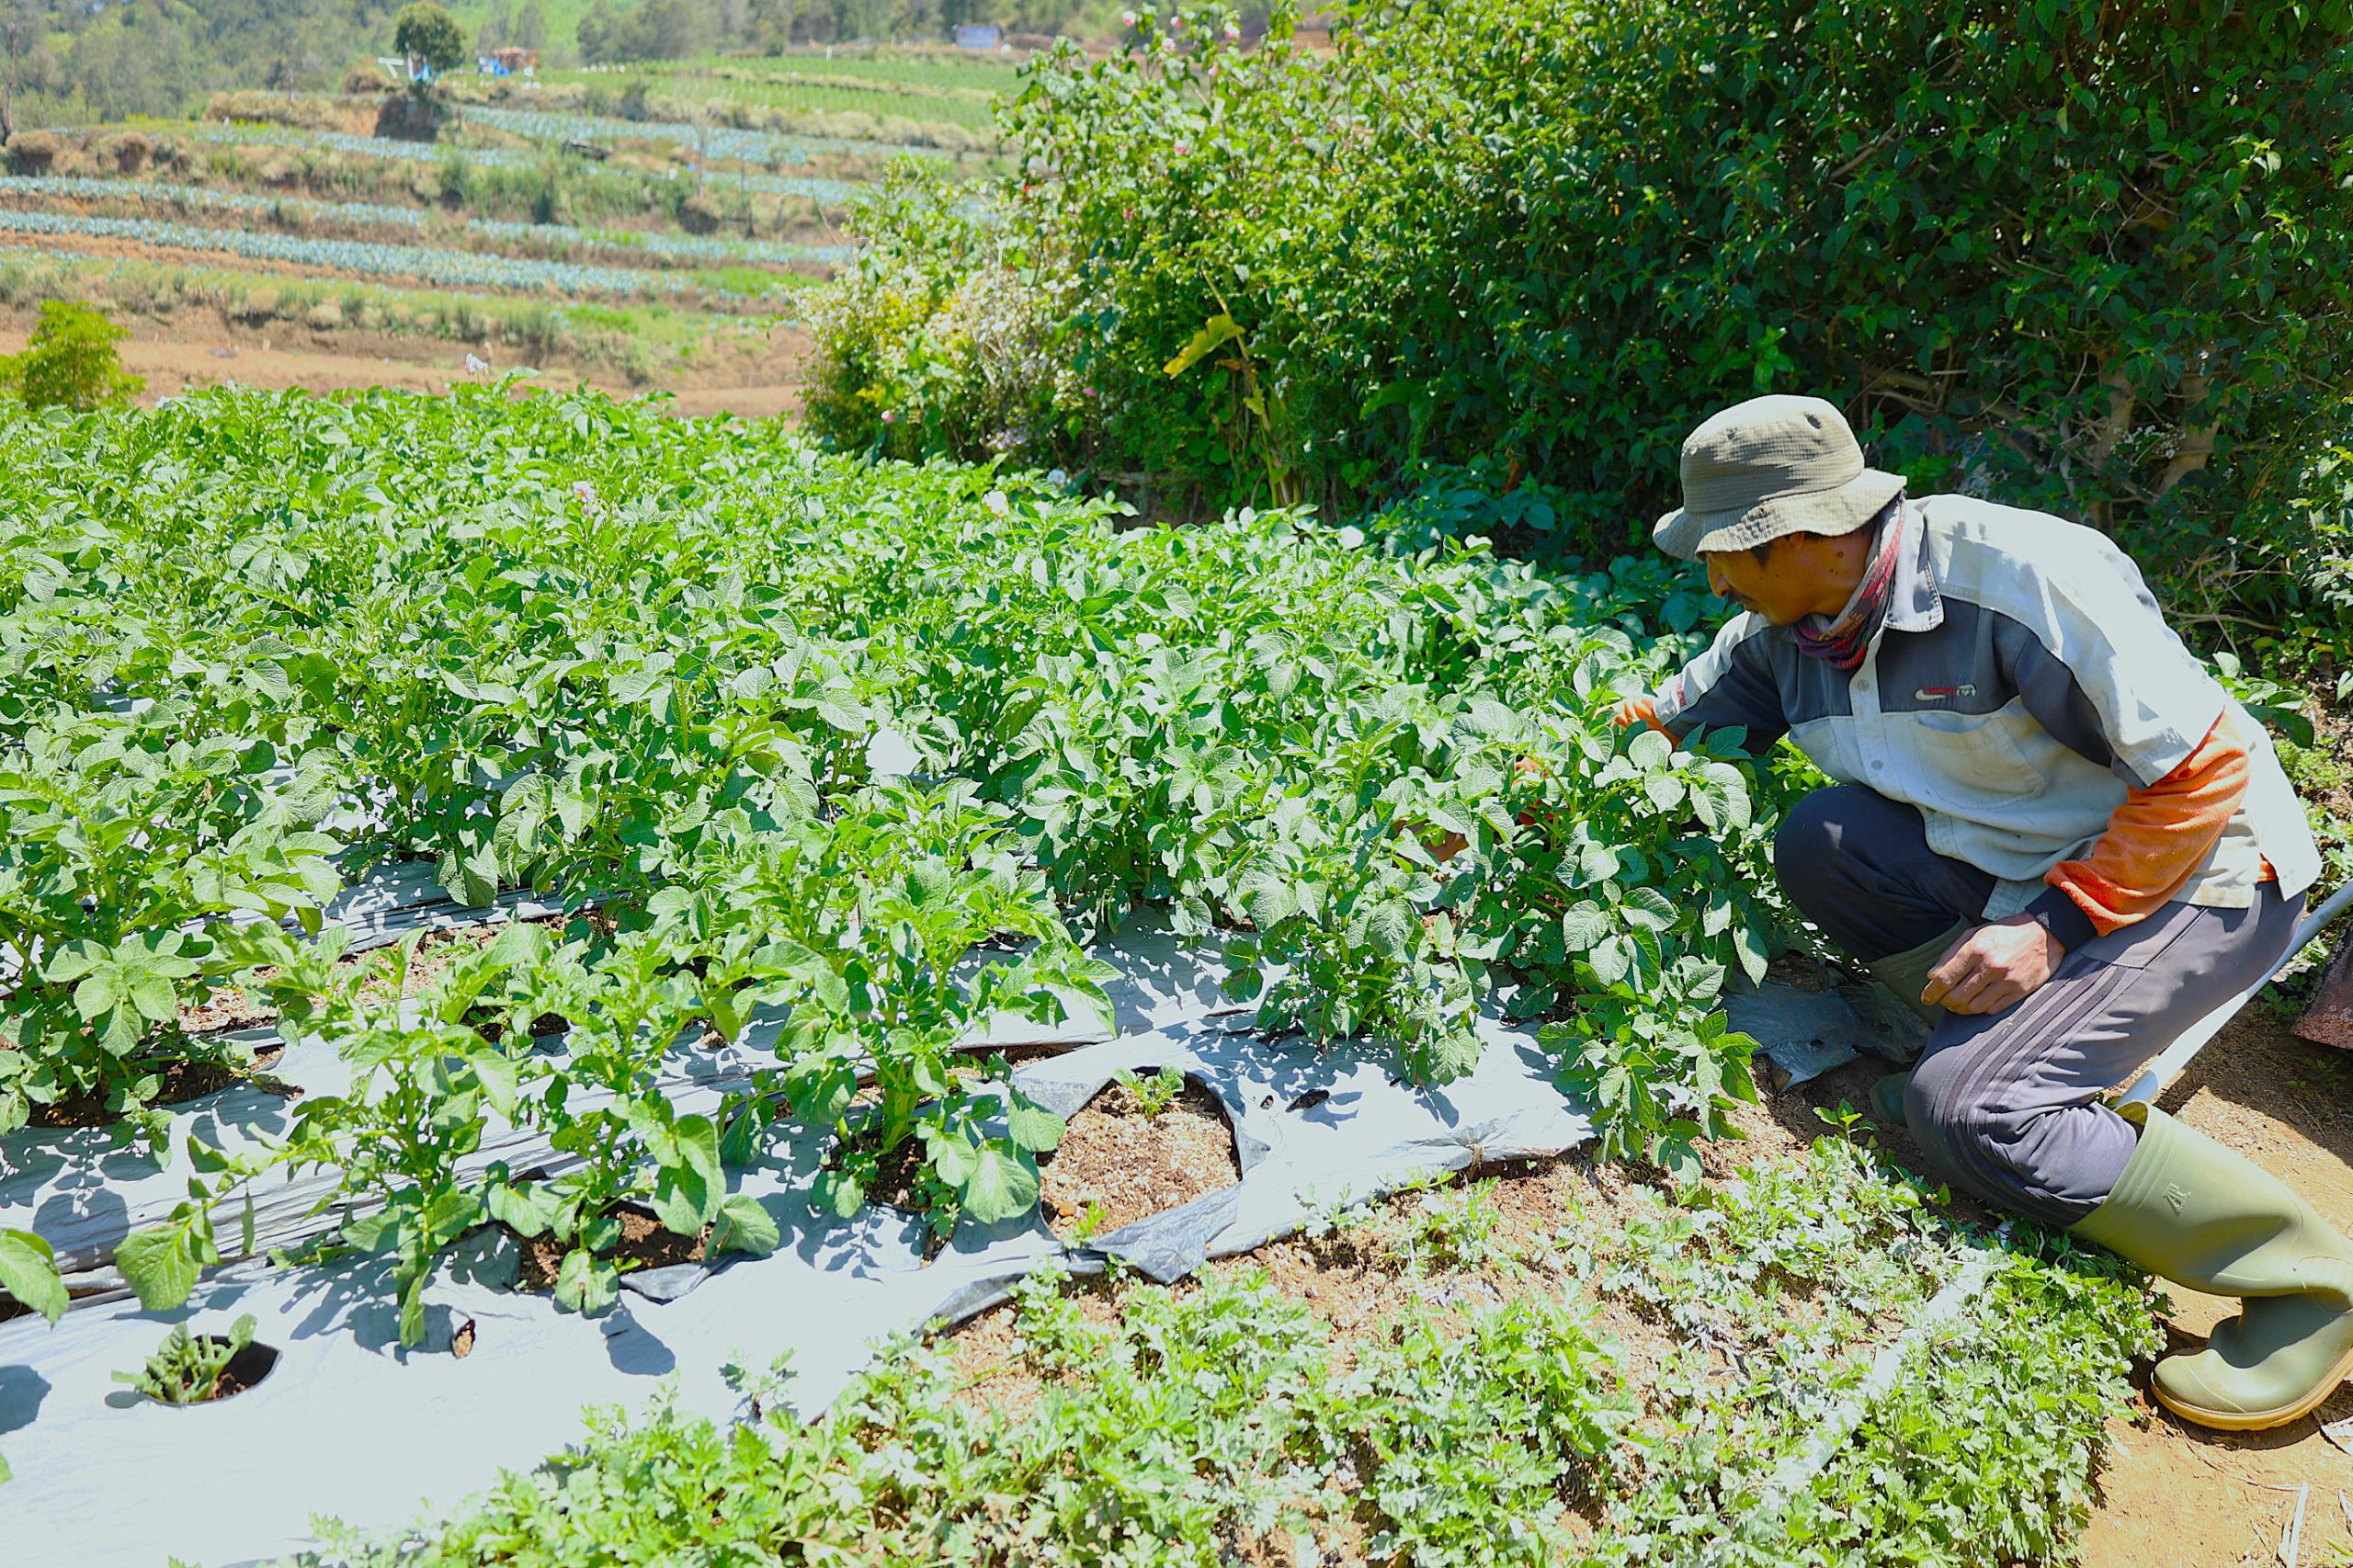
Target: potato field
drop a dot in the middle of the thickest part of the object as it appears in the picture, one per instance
(495, 876)
(826, 784)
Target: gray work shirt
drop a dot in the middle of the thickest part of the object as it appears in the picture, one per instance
(2022, 681)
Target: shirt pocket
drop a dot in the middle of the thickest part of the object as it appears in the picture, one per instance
(1967, 763)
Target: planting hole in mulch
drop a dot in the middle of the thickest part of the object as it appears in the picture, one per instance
(179, 1082)
(491, 1024)
(245, 1369)
(1116, 1163)
(645, 1244)
(897, 1175)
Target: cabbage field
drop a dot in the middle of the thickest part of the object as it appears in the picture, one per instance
(716, 250)
(801, 790)
(708, 214)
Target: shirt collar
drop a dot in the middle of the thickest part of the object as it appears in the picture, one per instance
(1913, 604)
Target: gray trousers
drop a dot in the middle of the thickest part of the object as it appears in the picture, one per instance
(2007, 1104)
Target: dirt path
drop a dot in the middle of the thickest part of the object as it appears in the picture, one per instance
(2173, 1495)
(197, 351)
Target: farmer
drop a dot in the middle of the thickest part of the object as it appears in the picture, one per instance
(2050, 829)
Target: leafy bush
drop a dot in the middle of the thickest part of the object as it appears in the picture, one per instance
(70, 361)
(2085, 256)
(930, 345)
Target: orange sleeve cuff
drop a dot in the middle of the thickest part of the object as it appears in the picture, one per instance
(2160, 835)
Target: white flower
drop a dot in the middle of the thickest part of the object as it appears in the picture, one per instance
(476, 364)
(997, 502)
(1233, 32)
(585, 492)
(1127, 19)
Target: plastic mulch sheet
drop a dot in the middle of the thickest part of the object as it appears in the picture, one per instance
(348, 1424)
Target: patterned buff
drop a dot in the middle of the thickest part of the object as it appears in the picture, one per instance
(1841, 640)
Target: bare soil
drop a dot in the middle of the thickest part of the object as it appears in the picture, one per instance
(180, 1082)
(233, 1009)
(1124, 1165)
(1353, 1280)
(199, 348)
(2168, 1496)
(645, 1243)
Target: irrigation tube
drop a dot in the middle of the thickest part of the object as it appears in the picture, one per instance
(1798, 1471)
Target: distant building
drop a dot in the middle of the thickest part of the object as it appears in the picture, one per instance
(978, 35)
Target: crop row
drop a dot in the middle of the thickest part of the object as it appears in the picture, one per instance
(251, 643)
(830, 192)
(1236, 1412)
(805, 96)
(957, 74)
(770, 147)
(712, 248)
(455, 268)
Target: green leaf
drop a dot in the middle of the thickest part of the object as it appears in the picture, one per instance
(1033, 1126)
(1215, 333)
(742, 1226)
(1001, 1184)
(1749, 948)
(1584, 924)
(1647, 908)
(29, 1272)
(161, 1263)
(495, 1071)
(526, 1207)
(586, 1283)
(838, 1193)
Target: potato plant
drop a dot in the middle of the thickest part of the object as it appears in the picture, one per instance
(859, 753)
(126, 839)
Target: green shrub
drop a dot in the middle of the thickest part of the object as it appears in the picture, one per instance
(70, 361)
(930, 343)
(2084, 256)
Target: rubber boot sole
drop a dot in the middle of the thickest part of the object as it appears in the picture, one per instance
(2259, 1420)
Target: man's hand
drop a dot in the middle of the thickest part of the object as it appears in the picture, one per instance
(1994, 967)
(1639, 710)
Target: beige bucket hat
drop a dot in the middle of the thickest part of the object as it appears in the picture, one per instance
(1768, 467)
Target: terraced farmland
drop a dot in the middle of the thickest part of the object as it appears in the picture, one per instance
(541, 199)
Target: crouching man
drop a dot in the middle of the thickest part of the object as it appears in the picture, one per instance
(2050, 828)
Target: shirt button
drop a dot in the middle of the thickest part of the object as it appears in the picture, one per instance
(1878, 766)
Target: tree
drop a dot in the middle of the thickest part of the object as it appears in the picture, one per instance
(431, 39)
(531, 26)
(70, 361)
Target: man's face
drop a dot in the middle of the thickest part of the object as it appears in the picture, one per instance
(1785, 587)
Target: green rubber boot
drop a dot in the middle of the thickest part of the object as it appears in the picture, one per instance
(1906, 974)
(1887, 1100)
(2202, 1216)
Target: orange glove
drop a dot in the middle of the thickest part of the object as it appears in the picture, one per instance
(1643, 710)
